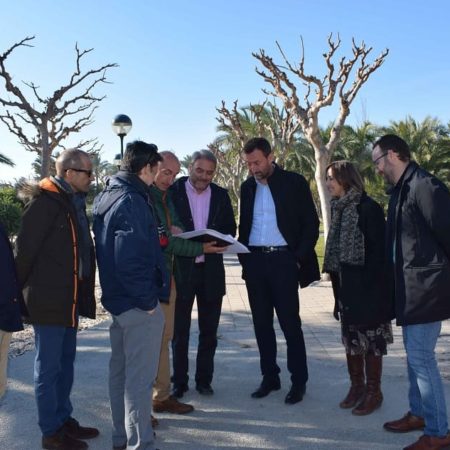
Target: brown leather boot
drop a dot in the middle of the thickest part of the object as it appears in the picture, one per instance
(355, 366)
(373, 397)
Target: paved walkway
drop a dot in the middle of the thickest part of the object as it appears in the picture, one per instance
(231, 419)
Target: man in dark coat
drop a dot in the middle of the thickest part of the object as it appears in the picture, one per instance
(200, 204)
(279, 224)
(56, 269)
(10, 305)
(418, 240)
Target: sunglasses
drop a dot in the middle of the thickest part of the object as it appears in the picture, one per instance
(87, 172)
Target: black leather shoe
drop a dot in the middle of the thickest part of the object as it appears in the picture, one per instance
(179, 390)
(266, 387)
(204, 389)
(295, 394)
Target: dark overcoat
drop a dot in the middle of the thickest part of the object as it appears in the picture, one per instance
(221, 218)
(419, 231)
(362, 290)
(11, 305)
(296, 214)
(47, 259)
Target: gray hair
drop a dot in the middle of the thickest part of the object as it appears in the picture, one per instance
(204, 154)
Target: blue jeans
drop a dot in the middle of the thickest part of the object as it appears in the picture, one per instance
(426, 394)
(135, 346)
(53, 375)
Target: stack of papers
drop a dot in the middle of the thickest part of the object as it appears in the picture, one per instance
(222, 240)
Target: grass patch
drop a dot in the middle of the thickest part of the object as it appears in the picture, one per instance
(320, 250)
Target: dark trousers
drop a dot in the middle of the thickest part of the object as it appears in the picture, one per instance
(208, 321)
(272, 284)
(53, 375)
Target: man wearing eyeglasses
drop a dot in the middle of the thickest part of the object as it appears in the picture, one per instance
(418, 241)
(56, 270)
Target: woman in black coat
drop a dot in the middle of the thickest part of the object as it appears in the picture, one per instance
(355, 260)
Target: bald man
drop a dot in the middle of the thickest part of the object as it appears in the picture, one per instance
(169, 226)
(56, 270)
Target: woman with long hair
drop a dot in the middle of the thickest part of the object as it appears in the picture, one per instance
(355, 260)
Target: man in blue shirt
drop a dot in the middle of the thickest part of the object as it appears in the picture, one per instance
(279, 224)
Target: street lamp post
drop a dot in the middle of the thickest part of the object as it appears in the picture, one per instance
(121, 125)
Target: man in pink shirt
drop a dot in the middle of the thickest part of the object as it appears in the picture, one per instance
(200, 204)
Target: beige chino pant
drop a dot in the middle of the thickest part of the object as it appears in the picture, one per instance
(161, 388)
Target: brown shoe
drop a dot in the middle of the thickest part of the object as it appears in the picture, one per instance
(171, 405)
(407, 423)
(60, 441)
(430, 443)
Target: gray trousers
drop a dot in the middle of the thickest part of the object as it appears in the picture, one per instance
(135, 345)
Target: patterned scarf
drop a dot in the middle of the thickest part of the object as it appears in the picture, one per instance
(345, 242)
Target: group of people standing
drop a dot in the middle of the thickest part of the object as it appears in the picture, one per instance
(150, 278)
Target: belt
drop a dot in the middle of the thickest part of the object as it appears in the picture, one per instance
(269, 249)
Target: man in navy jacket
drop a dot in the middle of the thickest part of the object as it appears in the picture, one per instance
(133, 278)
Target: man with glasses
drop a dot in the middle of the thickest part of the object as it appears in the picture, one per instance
(418, 240)
(133, 278)
(56, 270)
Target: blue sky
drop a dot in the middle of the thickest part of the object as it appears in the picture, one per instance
(178, 60)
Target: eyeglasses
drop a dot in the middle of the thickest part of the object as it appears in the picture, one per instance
(87, 172)
(375, 161)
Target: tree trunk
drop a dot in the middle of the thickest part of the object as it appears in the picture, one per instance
(322, 160)
(46, 151)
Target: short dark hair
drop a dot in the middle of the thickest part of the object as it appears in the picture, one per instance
(396, 144)
(138, 154)
(258, 143)
(346, 174)
(204, 154)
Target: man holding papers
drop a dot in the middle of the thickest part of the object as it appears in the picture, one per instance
(200, 204)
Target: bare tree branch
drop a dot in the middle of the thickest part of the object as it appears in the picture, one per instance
(335, 82)
(43, 130)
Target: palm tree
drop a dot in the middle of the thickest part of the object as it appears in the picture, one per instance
(429, 142)
(5, 160)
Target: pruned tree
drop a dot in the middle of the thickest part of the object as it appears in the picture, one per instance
(43, 123)
(319, 92)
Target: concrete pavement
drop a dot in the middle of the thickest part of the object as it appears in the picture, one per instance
(230, 418)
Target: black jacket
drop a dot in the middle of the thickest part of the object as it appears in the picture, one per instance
(296, 218)
(10, 295)
(221, 218)
(419, 225)
(47, 259)
(362, 290)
